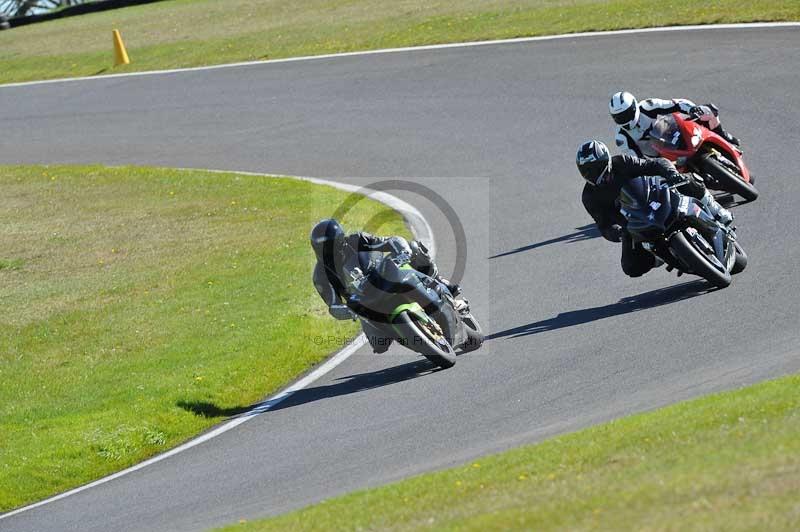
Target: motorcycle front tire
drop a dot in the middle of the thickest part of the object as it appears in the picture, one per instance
(696, 261)
(439, 352)
(475, 336)
(729, 181)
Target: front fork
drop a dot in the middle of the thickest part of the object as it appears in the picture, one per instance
(718, 235)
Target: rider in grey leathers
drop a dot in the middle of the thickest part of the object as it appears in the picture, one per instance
(338, 269)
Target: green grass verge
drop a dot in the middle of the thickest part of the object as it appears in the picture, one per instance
(724, 462)
(142, 305)
(186, 33)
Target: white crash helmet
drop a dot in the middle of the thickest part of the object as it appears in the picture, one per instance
(624, 109)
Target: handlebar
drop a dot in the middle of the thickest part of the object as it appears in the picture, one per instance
(401, 258)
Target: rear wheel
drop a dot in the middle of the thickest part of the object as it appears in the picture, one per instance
(694, 255)
(728, 180)
(422, 336)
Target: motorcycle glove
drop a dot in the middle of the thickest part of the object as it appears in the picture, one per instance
(707, 114)
(613, 233)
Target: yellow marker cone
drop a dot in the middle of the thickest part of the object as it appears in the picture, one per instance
(120, 54)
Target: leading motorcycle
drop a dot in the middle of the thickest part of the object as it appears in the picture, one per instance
(695, 148)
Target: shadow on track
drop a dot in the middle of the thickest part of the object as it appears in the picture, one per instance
(345, 385)
(585, 232)
(589, 231)
(728, 200)
(359, 382)
(651, 299)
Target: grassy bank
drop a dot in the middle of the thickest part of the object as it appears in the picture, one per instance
(725, 462)
(141, 306)
(185, 33)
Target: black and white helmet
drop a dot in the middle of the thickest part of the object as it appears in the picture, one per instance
(594, 162)
(624, 109)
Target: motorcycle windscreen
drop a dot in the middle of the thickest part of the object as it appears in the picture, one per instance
(666, 134)
(388, 285)
(646, 203)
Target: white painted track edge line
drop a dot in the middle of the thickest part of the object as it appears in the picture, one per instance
(516, 40)
(419, 225)
(421, 230)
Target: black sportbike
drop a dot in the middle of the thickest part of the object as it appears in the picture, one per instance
(681, 231)
(415, 310)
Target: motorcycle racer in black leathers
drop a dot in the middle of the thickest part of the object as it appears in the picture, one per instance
(338, 269)
(605, 177)
(635, 119)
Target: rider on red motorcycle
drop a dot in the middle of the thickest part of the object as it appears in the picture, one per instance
(635, 120)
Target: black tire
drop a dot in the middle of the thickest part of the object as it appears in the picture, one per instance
(729, 181)
(474, 332)
(741, 260)
(439, 352)
(697, 261)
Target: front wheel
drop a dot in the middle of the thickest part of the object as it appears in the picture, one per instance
(729, 181)
(421, 336)
(697, 260)
(474, 332)
(740, 262)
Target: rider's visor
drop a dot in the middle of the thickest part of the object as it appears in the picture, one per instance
(595, 173)
(603, 177)
(625, 117)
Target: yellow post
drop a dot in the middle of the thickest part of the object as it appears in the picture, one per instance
(120, 54)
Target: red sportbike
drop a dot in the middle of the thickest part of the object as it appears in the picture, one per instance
(695, 148)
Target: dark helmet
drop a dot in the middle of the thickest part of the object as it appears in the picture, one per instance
(324, 236)
(593, 162)
(421, 259)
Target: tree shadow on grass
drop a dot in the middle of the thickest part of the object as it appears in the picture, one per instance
(355, 383)
(206, 409)
(585, 232)
(646, 300)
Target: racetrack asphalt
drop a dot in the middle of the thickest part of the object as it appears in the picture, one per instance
(493, 129)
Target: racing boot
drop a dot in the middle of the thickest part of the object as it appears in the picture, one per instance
(454, 288)
(720, 213)
(727, 136)
(461, 306)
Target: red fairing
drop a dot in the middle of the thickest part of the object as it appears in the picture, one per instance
(724, 146)
(694, 137)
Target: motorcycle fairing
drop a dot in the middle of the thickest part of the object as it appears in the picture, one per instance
(678, 139)
(647, 204)
(394, 285)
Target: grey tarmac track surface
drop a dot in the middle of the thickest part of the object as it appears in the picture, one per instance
(494, 130)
